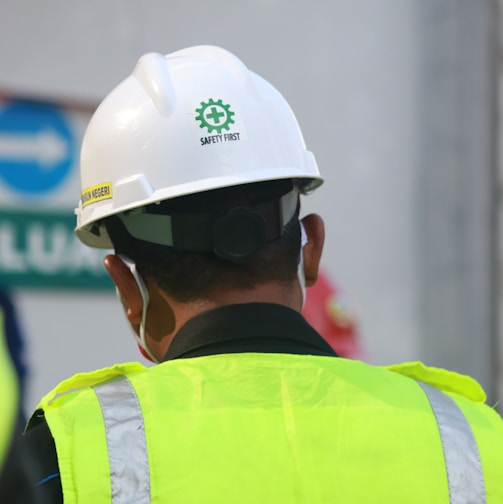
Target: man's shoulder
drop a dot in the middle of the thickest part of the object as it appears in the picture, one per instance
(83, 381)
(442, 379)
(465, 390)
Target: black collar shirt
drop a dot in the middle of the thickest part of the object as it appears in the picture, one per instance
(251, 327)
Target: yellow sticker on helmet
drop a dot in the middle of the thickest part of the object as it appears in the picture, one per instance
(96, 193)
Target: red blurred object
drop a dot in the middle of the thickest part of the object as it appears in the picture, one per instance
(329, 311)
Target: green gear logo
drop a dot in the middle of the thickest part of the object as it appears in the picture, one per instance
(215, 116)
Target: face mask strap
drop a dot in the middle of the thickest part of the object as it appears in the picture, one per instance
(141, 340)
(300, 270)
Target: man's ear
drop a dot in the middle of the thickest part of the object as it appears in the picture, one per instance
(315, 231)
(127, 288)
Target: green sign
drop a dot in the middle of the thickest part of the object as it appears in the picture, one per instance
(39, 249)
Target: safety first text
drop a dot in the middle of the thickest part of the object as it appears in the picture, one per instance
(225, 137)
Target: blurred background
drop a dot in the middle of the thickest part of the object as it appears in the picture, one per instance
(398, 99)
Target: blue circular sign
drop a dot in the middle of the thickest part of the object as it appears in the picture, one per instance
(37, 147)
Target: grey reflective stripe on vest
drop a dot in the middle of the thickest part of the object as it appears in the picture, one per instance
(126, 443)
(462, 459)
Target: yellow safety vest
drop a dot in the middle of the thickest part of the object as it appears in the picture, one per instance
(8, 395)
(275, 428)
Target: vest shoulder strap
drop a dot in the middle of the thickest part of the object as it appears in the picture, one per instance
(442, 379)
(88, 379)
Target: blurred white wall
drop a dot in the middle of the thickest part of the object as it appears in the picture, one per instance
(456, 195)
(354, 72)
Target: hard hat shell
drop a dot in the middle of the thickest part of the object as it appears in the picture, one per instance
(188, 122)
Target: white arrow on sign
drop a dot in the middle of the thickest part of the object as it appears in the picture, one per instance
(46, 147)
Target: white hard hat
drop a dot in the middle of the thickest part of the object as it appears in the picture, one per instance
(188, 122)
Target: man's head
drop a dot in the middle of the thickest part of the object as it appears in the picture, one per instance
(239, 229)
(192, 168)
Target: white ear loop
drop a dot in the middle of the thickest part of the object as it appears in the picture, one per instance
(300, 270)
(141, 340)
